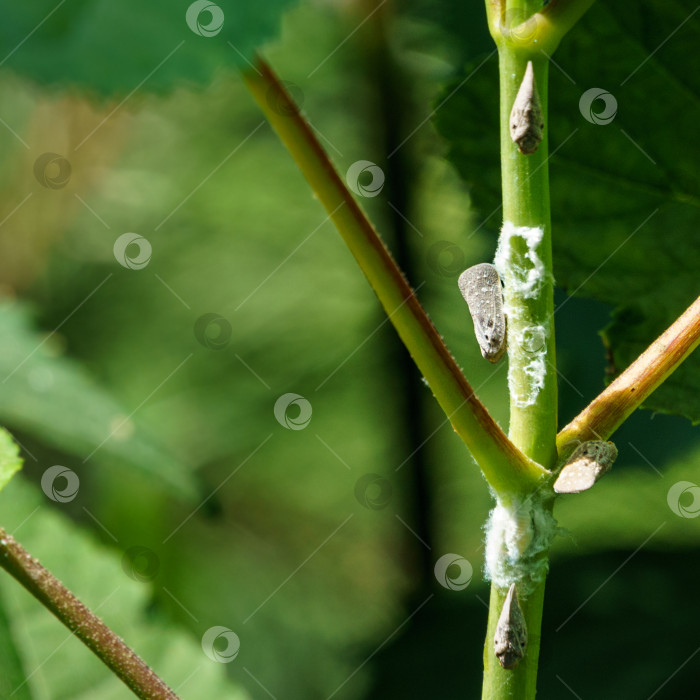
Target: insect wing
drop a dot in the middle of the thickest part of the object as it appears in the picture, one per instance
(480, 286)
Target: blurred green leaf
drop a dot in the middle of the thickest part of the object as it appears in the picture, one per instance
(625, 190)
(631, 502)
(12, 672)
(110, 47)
(10, 461)
(263, 516)
(52, 656)
(55, 399)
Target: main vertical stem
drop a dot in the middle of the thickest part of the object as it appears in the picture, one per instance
(525, 182)
(533, 410)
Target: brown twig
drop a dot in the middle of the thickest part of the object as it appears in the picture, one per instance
(604, 415)
(53, 595)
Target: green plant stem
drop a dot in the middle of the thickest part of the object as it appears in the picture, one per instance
(542, 28)
(522, 681)
(54, 596)
(505, 467)
(605, 414)
(525, 183)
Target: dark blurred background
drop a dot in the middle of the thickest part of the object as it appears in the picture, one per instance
(316, 543)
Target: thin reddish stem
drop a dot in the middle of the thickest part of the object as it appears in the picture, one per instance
(109, 647)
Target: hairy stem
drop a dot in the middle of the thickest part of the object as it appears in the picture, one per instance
(606, 413)
(53, 595)
(506, 468)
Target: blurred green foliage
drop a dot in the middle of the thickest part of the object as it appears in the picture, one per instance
(258, 528)
(54, 663)
(10, 461)
(111, 48)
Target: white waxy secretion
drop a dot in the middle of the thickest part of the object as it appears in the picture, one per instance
(481, 288)
(510, 637)
(589, 462)
(526, 122)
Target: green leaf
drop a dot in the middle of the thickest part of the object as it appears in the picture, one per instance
(113, 47)
(625, 194)
(10, 461)
(12, 672)
(57, 401)
(51, 656)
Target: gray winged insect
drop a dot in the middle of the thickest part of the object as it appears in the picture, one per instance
(481, 288)
(526, 122)
(589, 462)
(510, 637)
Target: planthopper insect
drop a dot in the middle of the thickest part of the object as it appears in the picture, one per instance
(510, 637)
(481, 288)
(526, 121)
(590, 461)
